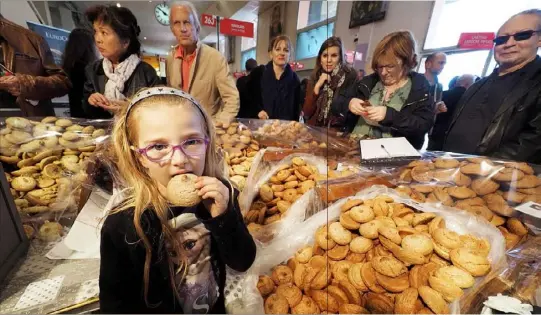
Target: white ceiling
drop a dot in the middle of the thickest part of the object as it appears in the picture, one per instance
(159, 37)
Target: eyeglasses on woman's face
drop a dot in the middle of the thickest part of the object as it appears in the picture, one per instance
(159, 152)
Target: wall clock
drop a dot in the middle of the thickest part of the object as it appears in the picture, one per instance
(161, 11)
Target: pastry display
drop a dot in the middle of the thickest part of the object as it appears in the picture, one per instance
(45, 164)
(275, 197)
(290, 132)
(366, 263)
(240, 149)
(478, 185)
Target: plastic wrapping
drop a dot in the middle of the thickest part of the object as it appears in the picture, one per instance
(285, 247)
(51, 167)
(296, 213)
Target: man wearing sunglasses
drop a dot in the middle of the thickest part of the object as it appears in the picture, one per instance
(500, 115)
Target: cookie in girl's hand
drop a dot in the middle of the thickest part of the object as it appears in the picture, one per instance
(181, 190)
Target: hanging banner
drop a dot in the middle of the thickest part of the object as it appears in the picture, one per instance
(56, 39)
(476, 41)
(236, 28)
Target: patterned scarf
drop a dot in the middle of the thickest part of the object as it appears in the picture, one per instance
(326, 95)
(118, 76)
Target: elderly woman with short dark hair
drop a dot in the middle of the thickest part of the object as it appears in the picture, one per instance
(393, 101)
(121, 73)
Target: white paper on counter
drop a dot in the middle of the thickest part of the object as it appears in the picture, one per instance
(83, 239)
(387, 148)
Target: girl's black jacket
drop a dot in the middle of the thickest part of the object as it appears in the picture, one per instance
(123, 259)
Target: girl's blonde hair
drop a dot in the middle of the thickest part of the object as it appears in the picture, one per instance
(142, 192)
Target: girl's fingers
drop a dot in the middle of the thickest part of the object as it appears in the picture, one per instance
(216, 196)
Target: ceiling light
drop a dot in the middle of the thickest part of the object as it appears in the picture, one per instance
(118, 4)
(172, 46)
(144, 38)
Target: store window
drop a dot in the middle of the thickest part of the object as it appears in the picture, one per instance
(458, 64)
(450, 18)
(309, 42)
(245, 55)
(313, 12)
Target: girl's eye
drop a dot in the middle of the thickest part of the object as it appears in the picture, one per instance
(188, 245)
(158, 147)
(193, 142)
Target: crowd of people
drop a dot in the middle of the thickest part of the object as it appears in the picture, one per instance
(148, 264)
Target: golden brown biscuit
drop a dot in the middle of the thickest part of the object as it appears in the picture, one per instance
(348, 222)
(379, 303)
(415, 163)
(438, 260)
(425, 189)
(303, 255)
(422, 218)
(516, 227)
(292, 293)
(497, 204)
(23, 183)
(181, 190)
(497, 220)
(482, 169)
(508, 175)
(524, 167)
(360, 245)
(318, 261)
(528, 181)
(511, 240)
(406, 302)
(446, 163)
(338, 252)
(480, 211)
(409, 257)
(282, 275)
(434, 300)
(350, 204)
(362, 214)
(399, 222)
(390, 233)
(340, 270)
(444, 175)
(323, 239)
(422, 174)
(477, 201)
(370, 229)
(298, 275)
(442, 251)
(368, 275)
(306, 306)
(531, 191)
(420, 243)
(418, 276)
(417, 196)
(325, 301)
(355, 277)
(461, 192)
(477, 265)
(461, 180)
(276, 304)
(386, 221)
(351, 292)
(388, 266)
(405, 176)
(356, 258)
(533, 198)
(448, 290)
(443, 197)
(483, 186)
(352, 309)
(339, 234)
(393, 284)
(455, 275)
(338, 294)
(436, 223)
(266, 193)
(447, 238)
(513, 196)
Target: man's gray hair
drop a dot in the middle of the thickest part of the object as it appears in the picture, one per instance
(536, 12)
(191, 8)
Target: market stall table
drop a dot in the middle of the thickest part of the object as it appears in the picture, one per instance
(72, 285)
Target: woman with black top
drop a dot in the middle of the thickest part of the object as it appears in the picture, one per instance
(327, 87)
(280, 85)
(79, 53)
(121, 73)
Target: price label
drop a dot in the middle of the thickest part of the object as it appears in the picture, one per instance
(530, 208)
(208, 20)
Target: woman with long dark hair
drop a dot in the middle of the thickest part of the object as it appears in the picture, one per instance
(328, 86)
(113, 79)
(79, 53)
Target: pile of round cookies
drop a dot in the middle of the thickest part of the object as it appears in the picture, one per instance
(44, 164)
(382, 258)
(477, 185)
(240, 149)
(287, 185)
(290, 131)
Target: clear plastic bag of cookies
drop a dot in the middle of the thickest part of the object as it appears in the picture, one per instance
(46, 163)
(375, 252)
(279, 198)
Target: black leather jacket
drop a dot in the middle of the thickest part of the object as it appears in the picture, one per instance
(143, 76)
(515, 131)
(413, 121)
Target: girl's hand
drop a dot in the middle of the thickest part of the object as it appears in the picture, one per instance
(376, 113)
(214, 194)
(263, 115)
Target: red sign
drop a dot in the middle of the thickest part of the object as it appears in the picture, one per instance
(476, 41)
(208, 20)
(236, 28)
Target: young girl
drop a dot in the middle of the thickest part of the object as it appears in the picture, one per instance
(156, 258)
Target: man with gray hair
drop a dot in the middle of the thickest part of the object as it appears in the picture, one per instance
(500, 115)
(199, 69)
